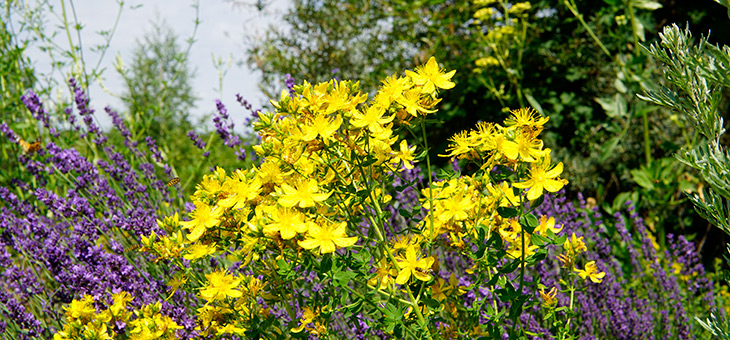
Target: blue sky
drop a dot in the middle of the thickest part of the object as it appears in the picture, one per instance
(220, 34)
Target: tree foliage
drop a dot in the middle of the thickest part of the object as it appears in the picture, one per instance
(158, 83)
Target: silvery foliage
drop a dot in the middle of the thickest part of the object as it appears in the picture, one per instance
(696, 74)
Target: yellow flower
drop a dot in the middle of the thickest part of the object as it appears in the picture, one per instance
(572, 247)
(120, 302)
(430, 76)
(199, 250)
(486, 61)
(548, 299)
(526, 119)
(461, 144)
(405, 154)
(520, 7)
(231, 329)
(575, 245)
(485, 13)
(176, 282)
(591, 272)
(95, 330)
(548, 224)
(403, 241)
(308, 316)
(270, 173)
(542, 178)
(82, 310)
(410, 264)
(505, 194)
(383, 275)
(152, 325)
(288, 222)
(526, 147)
(220, 285)
(204, 217)
(241, 191)
(456, 207)
(328, 237)
(513, 235)
(441, 290)
(438, 290)
(392, 88)
(321, 126)
(372, 119)
(411, 101)
(304, 195)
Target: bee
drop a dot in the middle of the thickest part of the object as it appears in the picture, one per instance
(173, 181)
(29, 148)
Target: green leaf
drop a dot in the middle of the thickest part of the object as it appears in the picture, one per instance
(369, 160)
(529, 222)
(535, 105)
(431, 303)
(615, 107)
(642, 178)
(507, 212)
(344, 277)
(537, 202)
(284, 267)
(639, 30)
(356, 307)
(619, 85)
(537, 239)
(516, 307)
(510, 267)
(363, 255)
(493, 280)
(608, 147)
(646, 4)
(326, 264)
(482, 244)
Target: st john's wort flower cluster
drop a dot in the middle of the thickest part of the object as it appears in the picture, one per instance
(289, 232)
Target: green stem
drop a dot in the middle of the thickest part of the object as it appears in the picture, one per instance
(634, 29)
(574, 9)
(419, 315)
(570, 307)
(384, 248)
(287, 306)
(68, 32)
(647, 143)
(430, 180)
(515, 319)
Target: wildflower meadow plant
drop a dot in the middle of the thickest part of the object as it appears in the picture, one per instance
(304, 244)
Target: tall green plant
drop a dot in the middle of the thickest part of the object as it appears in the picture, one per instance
(158, 91)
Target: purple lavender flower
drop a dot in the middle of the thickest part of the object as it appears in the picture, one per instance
(289, 82)
(64, 241)
(197, 140)
(639, 297)
(224, 126)
(35, 106)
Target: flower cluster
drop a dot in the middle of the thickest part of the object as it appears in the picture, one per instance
(313, 219)
(85, 321)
